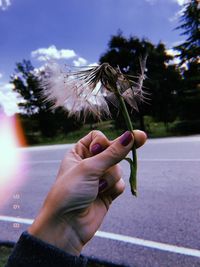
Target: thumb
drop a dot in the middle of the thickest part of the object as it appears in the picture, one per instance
(114, 153)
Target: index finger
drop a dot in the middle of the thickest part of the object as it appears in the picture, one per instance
(84, 146)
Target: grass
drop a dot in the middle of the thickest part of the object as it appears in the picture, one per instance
(5, 252)
(158, 130)
(153, 129)
(106, 127)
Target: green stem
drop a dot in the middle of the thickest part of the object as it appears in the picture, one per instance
(125, 113)
(133, 163)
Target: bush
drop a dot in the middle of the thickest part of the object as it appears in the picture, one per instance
(186, 127)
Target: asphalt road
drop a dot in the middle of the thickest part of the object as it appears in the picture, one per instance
(166, 211)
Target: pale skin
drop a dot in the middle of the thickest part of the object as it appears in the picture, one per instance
(78, 202)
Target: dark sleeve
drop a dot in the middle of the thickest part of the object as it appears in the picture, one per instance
(31, 252)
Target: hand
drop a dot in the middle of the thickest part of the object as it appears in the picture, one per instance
(88, 180)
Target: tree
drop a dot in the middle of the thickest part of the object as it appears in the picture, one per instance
(190, 56)
(126, 53)
(164, 83)
(190, 24)
(27, 85)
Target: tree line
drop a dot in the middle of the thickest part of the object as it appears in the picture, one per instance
(172, 90)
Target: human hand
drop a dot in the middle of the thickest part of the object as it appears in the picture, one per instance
(88, 180)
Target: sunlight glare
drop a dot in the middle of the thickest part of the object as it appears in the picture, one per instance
(10, 158)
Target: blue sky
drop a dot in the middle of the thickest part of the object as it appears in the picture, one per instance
(77, 31)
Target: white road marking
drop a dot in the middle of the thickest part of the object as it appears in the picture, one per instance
(150, 244)
(15, 219)
(124, 238)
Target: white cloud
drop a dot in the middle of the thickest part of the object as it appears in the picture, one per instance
(93, 64)
(5, 87)
(174, 53)
(43, 54)
(180, 12)
(1, 75)
(176, 60)
(52, 53)
(181, 2)
(8, 99)
(80, 62)
(4, 4)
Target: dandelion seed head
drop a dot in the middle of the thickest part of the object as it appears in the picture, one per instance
(63, 89)
(88, 91)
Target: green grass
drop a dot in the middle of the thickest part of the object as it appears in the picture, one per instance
(106, 127)
(153, 129)
(4, 254)
(158, 129)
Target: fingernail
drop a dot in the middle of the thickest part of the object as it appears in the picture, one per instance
(126, 138)
(96, 149)
(102, 185)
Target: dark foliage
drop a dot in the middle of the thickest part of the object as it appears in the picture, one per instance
(190, 55)
(190, 26)
(163, 80)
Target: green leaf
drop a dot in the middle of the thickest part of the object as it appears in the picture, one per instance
(132, 178)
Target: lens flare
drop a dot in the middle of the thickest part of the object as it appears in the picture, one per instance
(11, 173)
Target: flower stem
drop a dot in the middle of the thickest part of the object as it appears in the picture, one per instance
(133, 162)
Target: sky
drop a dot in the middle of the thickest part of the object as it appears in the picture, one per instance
(76, 31)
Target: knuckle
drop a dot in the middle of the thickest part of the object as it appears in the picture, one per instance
(115, 172)
(113, 153)
(118, 171)
(119, 189)
(95, 133)
(99, 136)
(122, 186)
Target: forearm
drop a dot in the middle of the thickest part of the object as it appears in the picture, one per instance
(55, 231)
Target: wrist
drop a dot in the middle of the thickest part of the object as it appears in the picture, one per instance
(56, 232)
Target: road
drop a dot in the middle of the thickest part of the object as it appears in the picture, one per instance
(161, 227)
